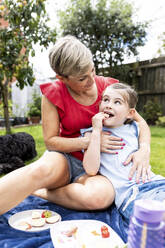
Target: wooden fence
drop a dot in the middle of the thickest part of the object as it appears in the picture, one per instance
(149, 78)
(151, 82)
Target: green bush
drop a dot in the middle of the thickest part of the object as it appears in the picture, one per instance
(35, 106)
(151, 112)
(161, 121)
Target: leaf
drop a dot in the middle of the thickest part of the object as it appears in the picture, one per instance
(106, 27)
(27, 24)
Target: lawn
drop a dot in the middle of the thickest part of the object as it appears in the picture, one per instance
(158, 150)
(157, 144)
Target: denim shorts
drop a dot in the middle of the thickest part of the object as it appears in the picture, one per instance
(75, 166)
(153, 190)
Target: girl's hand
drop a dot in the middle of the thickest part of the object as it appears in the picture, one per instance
(97, 120)
(141, 166)
(110, 144)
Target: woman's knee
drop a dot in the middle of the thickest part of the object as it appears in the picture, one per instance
(50, 169)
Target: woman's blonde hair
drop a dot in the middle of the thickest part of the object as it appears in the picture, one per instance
(69, 56)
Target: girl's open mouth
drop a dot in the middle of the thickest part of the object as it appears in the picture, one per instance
(110, 114)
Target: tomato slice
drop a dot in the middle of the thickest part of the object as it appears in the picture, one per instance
(105, 234)
(104, 228)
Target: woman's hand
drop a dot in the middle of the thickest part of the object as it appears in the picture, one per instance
(110, 144)
(141, 166)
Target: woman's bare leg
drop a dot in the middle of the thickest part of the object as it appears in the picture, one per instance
(88, 193)
(50, 171)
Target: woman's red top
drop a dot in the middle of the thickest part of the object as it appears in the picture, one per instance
(73, 115)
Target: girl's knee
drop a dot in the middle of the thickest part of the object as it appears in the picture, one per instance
(96, 200)
(101, 193)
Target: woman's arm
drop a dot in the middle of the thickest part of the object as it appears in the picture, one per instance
(141, 158)
(51, 131)
(145, 134)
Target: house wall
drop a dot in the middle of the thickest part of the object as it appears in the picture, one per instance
(21, 98)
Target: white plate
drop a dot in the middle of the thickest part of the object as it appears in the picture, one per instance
(83, 236)
(15, 219)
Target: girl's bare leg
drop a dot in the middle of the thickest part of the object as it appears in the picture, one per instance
(88, 193)
(50, 171)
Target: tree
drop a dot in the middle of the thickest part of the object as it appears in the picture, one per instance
(161, 50)
(26, 24)
(107, 28)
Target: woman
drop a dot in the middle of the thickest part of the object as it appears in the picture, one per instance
(67, 106)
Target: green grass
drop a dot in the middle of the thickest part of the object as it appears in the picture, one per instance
(158, 150)
(157, 145)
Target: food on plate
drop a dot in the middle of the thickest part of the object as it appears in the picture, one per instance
(67, 237)
(52, 219)
(71, 231)
(104, 228)
(34, 220)
(84, 234)
(36, 215)
(23, 225)
(104, 232)
(95, 233)
(46, 214)
(40, 218)
(38, 222)
(96, 236)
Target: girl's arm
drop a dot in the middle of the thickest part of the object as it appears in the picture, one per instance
(141, 158)
(91, 160)
(51, 131)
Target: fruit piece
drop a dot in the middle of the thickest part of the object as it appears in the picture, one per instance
(38, 222)
(52, 219)
(104, 228)
(46, 214)
(104, 232)
(23, 225)
(36, 215)
(2, 7)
